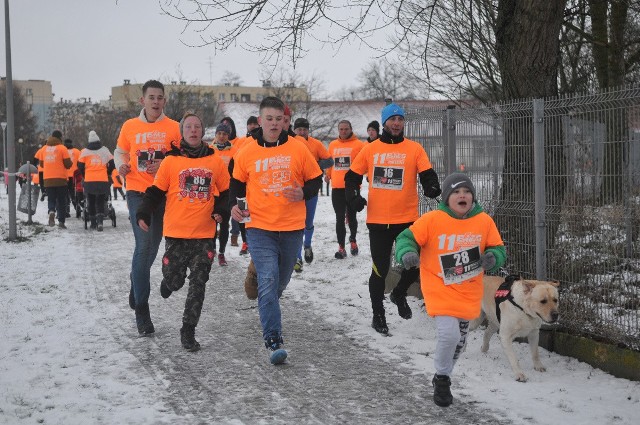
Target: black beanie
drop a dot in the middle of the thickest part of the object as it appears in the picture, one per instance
(252, 120)
(68, 143)
(375, 125)
(454, 181)
(301, 123)
(57, 133)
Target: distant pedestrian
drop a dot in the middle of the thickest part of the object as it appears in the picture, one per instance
(394, 165)
(142, 143)
(118, 185)
(195, 182)
(95, 164)
(74, 154)
(452, 246)
(275, 175)
(373, 130)
(55, 163)
(343, 150)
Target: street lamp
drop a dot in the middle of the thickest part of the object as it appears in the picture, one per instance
(20, 142)
(4, 145)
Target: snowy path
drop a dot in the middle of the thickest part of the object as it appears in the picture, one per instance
(70, 353)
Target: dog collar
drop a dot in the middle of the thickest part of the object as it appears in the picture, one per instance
(504, 294)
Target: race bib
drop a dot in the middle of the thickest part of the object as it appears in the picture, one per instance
(460, 266)
(342, 163)
(148, 156)
(388, 178)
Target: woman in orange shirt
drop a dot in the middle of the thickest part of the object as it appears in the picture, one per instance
(189, 178)
(95, 164)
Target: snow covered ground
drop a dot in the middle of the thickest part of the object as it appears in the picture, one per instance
(69, 352)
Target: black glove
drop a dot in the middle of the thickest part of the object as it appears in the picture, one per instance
(432, 191)
(358, 203)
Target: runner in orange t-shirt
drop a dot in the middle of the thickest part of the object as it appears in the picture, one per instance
(195, 182)
(273, 176)
(343, 150)
(74, 154)
(55, 163)
(453, 246)
(394, 165)
(225, 150)
(142, 143)
(95, 164)
(324, 160)
(117, 185)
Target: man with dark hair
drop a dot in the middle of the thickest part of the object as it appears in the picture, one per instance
(55, 163)
(271, 180)
(321, 155)
(141, 146)
(394, 165)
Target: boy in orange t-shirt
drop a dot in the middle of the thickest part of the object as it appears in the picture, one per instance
(452, 245)
(274, 175)
(141, 146)
(195, 182)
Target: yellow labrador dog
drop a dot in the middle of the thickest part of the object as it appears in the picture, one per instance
(522, 306)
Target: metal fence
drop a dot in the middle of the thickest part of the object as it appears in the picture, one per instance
(560, 177)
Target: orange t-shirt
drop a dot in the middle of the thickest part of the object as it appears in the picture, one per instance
(74, 154)
(95, 164)
(114, 178)
(316, 147)
(267, 171)
(144, 142)
(225, 154)
(393, 179)
(190, 184)
(53, 157)
(343, 153)
(450, 268)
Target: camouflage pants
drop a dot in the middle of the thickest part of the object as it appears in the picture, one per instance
(197, 255)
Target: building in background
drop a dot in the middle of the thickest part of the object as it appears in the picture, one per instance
(124, 95)
(38, 95)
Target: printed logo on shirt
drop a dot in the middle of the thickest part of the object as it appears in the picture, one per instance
(275, 173)
(153, 137)
(195, 184)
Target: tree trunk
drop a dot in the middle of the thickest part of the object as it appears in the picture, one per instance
(528, 54)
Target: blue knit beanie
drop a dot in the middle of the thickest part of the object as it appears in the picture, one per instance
(391, 110)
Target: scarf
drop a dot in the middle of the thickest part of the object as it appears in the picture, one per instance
(388, 138)
(193, 151)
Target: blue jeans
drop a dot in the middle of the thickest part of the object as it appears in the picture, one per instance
(308, 223)
(235, 227)
(274, 255)
(57, 201)
(146, 249)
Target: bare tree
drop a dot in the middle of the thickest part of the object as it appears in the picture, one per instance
(24, 121)
(230, 79)
(382, 79)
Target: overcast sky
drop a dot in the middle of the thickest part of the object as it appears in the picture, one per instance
(85, 47)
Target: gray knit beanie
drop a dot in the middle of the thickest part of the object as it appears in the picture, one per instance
(453, 182)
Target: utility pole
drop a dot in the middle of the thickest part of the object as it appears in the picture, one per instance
(210, 62)
(10, 140)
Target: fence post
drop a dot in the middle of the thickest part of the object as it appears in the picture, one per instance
(540, 189)
(449, 138)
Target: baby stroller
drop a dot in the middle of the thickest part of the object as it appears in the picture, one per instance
(109, 212)
(78, 193)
